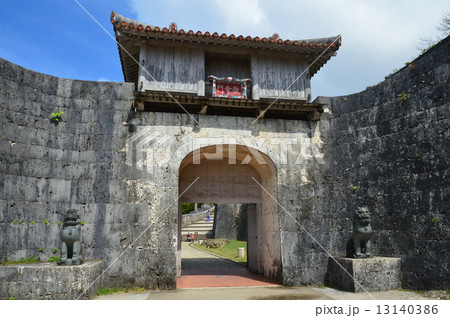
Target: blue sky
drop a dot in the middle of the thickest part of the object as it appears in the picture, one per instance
(57, 37)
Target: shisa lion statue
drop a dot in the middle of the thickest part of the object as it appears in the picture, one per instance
(359, 245)
(71, 249)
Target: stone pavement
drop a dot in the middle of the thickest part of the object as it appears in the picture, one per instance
(263, 293)
(207, 277)
(200, 269)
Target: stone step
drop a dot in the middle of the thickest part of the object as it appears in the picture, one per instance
(197, 228)
(209, 233)
(201, 227)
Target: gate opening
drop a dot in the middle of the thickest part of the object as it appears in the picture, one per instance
(234, 174)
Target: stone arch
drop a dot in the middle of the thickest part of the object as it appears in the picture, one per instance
(228, 173)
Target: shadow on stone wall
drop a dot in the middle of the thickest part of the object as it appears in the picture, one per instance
(388, 148)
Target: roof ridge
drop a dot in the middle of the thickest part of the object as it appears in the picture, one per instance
(120, 21)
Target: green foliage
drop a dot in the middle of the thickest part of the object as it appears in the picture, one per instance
(109, 291)
(434, 219)
(321, 286)
(428, 48)
(41, 250)
(14, 222)
(215, 243)
(22, 260)
(12, 298)
(20, 221)
(57, 116)
(402, 96)
(355, 187)
(33, 222)
(410, 65)
(59, 223)
(82, 222)
(54, 250)
(54, 259)
(46, 222)
(186, 208)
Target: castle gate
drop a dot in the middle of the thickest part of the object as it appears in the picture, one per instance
(237, 174)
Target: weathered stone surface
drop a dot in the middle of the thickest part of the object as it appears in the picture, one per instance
(394, 152)
(391, 155)
(49, 281)
(193, 217)
(361, 275)
(230, 222)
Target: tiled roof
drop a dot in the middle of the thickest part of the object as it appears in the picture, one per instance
(121, 22)
(323, 47)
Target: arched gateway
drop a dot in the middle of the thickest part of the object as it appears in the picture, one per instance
(200, 95)
(237, 174)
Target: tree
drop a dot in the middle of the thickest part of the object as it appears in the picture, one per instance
(444, 28)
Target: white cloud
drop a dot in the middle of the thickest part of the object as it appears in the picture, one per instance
(242, 15)
(103, 79)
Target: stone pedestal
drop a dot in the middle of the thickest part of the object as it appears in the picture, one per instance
(366, 274)
(50, 281)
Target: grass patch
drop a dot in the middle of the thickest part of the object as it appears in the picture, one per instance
(228, 251)
(109, 291)
(28, 260)
(54, 259)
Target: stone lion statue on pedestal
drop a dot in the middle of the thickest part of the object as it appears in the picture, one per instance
(71, 249)
(359, 245)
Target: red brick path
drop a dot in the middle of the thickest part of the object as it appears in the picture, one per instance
(239, 277)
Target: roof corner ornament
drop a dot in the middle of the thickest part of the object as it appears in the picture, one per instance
(113, 17)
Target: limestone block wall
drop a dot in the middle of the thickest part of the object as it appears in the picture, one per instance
(93, 161)
(47, 168)
(50, 281)
(230, 222)
(293, 146)
(120, 170)
(392, 155)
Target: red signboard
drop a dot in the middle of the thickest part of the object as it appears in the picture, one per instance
(228, 89)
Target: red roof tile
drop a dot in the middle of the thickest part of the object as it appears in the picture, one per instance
(120, 22)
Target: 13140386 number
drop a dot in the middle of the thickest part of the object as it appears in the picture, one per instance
(407, 309)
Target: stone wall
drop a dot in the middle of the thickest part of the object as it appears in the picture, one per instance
(391, 154)
(50, 281)
(47, 168)
(230, 222)
(91, 162)
(194, 216)
(369, 148)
